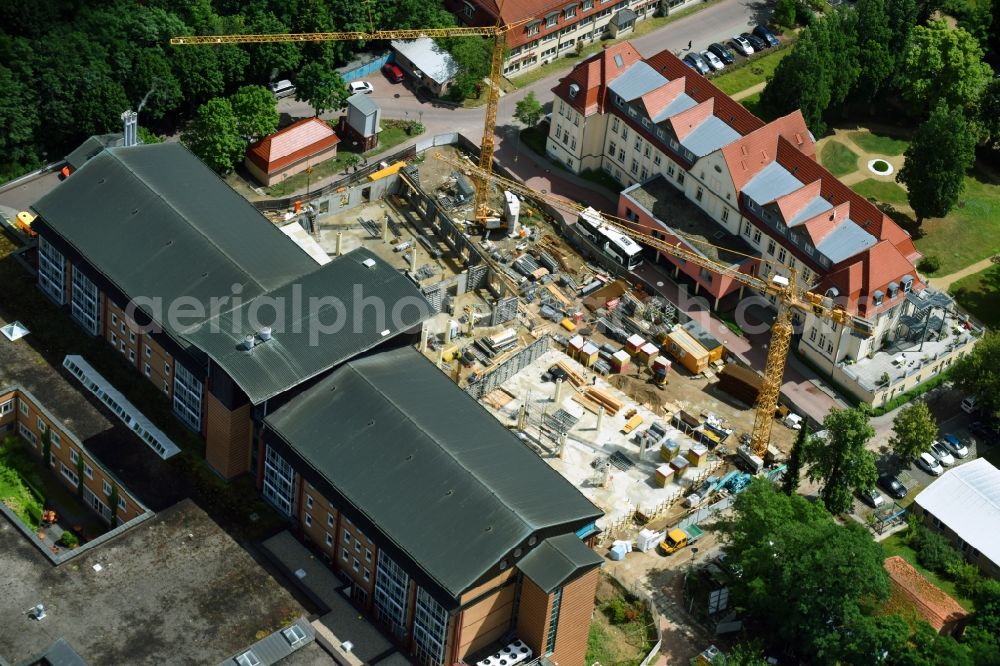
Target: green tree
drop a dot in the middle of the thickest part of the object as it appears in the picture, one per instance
(269, 61)
(902, 17)
(793, 472)
(18, 118)
(936, 161)
(804, 576)
(746, 654)
(875, 56)
(529, 110)
(837, 37)
(256, 112)
(978, 373)
(47, 447)
(321, 87)
(943, 64)
(987, 116)
(913, 431)
(472, 55)
(801, 81)
(983, 633)
(214, 135)
(841, 460)
(113, 505)
(928, 648)
(784, 13)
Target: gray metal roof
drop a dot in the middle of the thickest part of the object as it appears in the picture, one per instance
(623, 17)
(158, 223)
(91, 147)
(710, 135)
(439, 477)
(636, 81)
(556, 560)
(810, 210)
(702, 335)
(682, 102)
(847, 240)
(363, 103)
(60, 653)
(429, 58)
(366, 301)
(275, 647)
(771, 182)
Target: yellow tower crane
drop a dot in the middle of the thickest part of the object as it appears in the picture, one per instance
(498, 32)
(789, 296)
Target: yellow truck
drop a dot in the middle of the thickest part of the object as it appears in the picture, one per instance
(680, 537)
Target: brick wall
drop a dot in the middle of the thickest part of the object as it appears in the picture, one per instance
(575, 612)
(485, 621)
(27, 420)
(533, 616)
(227, 438)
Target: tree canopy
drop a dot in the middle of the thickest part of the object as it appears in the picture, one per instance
(840, 460)
(943, 64)
(913, 431)
(529, 110)
(214, 135)
(806, 581)
(321, 86)
(978, 373)
(942, 150)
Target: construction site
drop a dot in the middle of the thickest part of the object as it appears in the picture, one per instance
(610, 384)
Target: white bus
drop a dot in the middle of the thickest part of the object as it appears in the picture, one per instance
(614, 243)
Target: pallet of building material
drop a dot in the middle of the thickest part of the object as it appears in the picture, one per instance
(574, 377)
(558, 295)
(539, 273)
(497, 399)
(611, 404)
(546, 259)
(587, 403)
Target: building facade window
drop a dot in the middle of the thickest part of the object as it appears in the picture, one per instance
(187, 398)
(430, 629)
(770, 247)
(391, 591)
(328, 540)
(27, 433)
(551, 19)
(51, 271)
(308, 520)
(756, 236)
(550, 638)
(85, 305)
(279, 481)
(614, 125)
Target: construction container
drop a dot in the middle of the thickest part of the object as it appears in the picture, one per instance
(714, 348)
(620, 360)
(664, 474)
(687, 350)
(647, 353)
(574, 346)
(634, 343)
(588, 354)
(679, 463)
(697, 454)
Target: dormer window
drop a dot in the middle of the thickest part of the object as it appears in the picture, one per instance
(907, 283)
(877, 298)
(574, 90)
(551, 19)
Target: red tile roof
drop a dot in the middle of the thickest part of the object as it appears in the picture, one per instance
(657, 100)
(593, 76)
(930, 601)
(792, 203)
(294, 143)
(748, 155)
(685, 121)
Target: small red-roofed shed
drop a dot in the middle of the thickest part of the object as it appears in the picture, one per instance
(302, 144)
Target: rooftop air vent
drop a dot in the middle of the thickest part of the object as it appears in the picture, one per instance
(248, 343)
(347, 646)
(265, 333)
(370, 263)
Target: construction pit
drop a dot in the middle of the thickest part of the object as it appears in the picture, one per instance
(497, 336)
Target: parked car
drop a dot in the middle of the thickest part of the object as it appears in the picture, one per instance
(282, 88)
(929, 464)
(955, 445)
(765, 33)
(355, 87)
(392, 72)
(724, 54)
(756, 42)
(712, 60)
(741, 45)
(872, 498)
(941, 452)
(969, 405)
(892, 486)
(697, 63)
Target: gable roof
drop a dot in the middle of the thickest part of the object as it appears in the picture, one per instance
(966, 498)
(428, 57)
(91, 147)
(931, 602)
(594, 74)
(558, 559)
(296, 142)
(454, 491)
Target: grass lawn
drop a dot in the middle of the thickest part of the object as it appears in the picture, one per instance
(894, 545)
(569, 61)
(535, 138)
(393, 133)
(979, 293)
(879, 144)
(752, 104)
(20, 483)
(753, 71)
(838, 158)
(884, 191)
(970, 232)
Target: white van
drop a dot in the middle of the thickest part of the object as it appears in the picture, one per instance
(283, 88)
(969, 405)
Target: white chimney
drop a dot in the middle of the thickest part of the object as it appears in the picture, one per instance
(130, 120)
(265, 333)
(248, 343)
